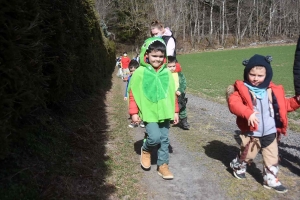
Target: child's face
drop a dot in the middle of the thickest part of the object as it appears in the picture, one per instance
(257, 75)
(155, 58)
(172, 66)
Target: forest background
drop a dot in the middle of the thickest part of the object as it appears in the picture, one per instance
(202, 24)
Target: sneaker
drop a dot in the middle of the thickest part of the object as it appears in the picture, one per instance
(271, 181)
(279, 188)
(239, 169)
(184, 124)
(145, 159)
(164, 172)
(142, 125)
(132, 125)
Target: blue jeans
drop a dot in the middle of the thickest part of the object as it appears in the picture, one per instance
(158, 133)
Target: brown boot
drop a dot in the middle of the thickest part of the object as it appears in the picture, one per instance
(164, 172)
(145, 159)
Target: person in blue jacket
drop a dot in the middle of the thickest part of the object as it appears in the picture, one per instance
(133, 65)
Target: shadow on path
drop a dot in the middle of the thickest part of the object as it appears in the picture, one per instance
(137, 148)
(287, 159)
(226, 153)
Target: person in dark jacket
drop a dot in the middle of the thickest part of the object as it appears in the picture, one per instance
(158, 30)
(296, 70)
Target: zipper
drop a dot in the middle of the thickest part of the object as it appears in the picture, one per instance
(262, 118)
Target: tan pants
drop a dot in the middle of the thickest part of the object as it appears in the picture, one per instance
(126, 72)
(269, 153)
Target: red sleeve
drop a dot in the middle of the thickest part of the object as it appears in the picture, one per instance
(178, 67)
(133, 108)
(237, 107)
(292, 104)
(176, 104)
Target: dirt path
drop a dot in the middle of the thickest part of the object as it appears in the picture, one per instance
(199, 160)
(190, 180)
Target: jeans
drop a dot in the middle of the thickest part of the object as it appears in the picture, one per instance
(158, 133)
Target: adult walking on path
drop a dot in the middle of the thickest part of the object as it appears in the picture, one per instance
(158, 30)
(296, 70)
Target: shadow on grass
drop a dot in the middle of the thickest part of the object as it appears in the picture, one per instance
(287, 159)
(64, 156)
(226, 153)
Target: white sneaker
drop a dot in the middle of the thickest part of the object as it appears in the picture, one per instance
(271, 181)
(142, 125)
(132, 125)
(239, 169)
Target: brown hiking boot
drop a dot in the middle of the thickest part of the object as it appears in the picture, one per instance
(145, 159)
(164, 172)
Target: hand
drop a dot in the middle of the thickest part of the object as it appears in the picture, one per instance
(178, 93)
(298, 98)
(253, 119)
(135, 118)
(278, 137)
(125, 98)
(176, 118)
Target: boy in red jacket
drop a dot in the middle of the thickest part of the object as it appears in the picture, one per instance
(261, 109)
(125, 60)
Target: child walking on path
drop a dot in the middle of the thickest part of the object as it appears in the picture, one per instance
(125, 60)
(261, 109)
(133, 65)
(152, 99)
(180, 86)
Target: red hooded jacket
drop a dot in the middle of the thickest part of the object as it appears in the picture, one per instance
(240, 104)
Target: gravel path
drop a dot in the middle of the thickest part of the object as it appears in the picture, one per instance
(220, 113)
(199, 159)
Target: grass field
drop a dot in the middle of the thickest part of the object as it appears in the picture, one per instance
(209, 73)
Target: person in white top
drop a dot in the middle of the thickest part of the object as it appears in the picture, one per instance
(158, 30)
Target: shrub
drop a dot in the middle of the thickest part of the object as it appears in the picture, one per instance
(48, 49)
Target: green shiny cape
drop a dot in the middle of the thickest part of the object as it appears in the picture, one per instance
(154, 92)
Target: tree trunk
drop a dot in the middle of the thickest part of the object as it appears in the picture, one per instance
(211, 23)
(238, 24)
(223, 22)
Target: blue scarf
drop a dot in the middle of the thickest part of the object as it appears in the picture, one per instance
(259, 92)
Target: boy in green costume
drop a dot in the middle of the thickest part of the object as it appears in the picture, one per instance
(180, 86)
(152, 99)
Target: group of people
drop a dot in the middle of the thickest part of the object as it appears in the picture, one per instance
(156, 96)
(123, 63)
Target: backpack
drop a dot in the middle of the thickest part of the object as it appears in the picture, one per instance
(166, 39)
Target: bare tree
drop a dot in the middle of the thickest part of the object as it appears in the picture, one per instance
(211, 23)
(223, 22)
(193, 20)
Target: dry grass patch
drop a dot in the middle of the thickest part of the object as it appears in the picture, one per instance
(125, 174)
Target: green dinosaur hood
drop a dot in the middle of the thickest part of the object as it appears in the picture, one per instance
(153, 91)
(144, 48)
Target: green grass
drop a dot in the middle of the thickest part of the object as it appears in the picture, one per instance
(209, 73)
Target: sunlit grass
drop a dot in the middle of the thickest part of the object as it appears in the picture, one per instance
(209, 73)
